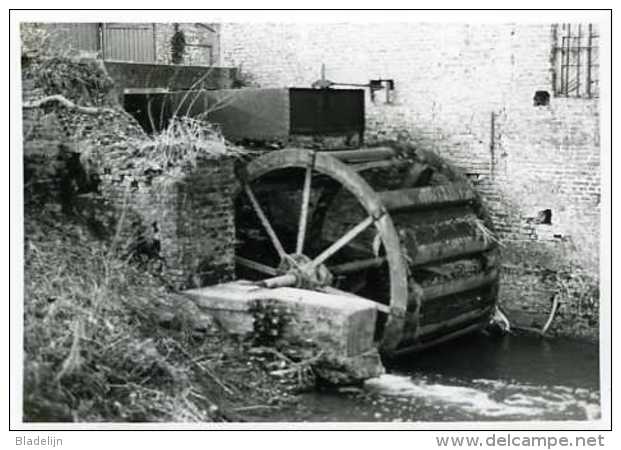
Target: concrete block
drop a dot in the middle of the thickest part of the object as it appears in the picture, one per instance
(345, 325)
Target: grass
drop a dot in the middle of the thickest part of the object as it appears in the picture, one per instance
(101, 341)
(96, 349)
(96, 344)
(182, 145)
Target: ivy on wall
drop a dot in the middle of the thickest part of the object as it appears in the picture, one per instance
(177, 45)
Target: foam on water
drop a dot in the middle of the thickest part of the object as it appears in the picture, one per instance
(489, 398)
(512, 378)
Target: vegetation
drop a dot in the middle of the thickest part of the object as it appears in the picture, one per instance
(98, 348)
(177, 46)
(104, 339)
(561, 271)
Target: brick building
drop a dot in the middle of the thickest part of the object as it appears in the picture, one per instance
(513, 105)
(137, 42)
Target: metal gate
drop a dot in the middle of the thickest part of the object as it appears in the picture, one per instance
(133, 42)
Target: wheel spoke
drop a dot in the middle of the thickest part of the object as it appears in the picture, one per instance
(342, 241)
(264, 221)
(304, 210)
(257, 266)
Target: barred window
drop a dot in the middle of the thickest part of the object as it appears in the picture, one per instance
(576, 60)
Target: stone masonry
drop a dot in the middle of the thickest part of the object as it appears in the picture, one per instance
(202, 43)
(190, 217)
(187, 219)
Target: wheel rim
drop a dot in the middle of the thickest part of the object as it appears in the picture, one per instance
(297, 269)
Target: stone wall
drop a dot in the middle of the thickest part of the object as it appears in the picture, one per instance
(466, 92)
(43, 136)
(189, 219)
(173, 77)
(202, 43)
(184, 219)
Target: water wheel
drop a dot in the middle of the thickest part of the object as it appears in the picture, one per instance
(390, 224)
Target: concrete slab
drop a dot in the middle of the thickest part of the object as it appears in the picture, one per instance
(341, 323)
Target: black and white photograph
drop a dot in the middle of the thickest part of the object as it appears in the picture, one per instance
(310, 220)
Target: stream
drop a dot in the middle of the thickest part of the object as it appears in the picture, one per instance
(475, 378)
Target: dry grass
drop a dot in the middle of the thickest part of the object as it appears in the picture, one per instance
(166, 156)
(488, 235)
(95, 347)
(93, 350)
(185, 142)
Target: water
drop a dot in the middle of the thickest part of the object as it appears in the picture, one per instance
(476, 378)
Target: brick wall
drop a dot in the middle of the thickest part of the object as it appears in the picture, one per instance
(174, 77)
(190, 217)
(450, 80)
(202, 43)
(42, 137)
(188, 214)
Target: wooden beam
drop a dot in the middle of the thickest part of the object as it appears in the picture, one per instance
(264, 221)
(459, 285)
(262, 268)
(342, 241)
(427, 197)
(455, 321)
(381, 164)
(447, 337)
(442, 250)
(363, 154)
(304, 210)
(285, 280)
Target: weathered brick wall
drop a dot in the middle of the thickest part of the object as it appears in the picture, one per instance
(173, 77)
(42, 136)
(202, 43)
(450, 80)
(188, 214)
(40, 130)
(191, 218)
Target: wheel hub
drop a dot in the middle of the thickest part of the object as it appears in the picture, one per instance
(306, 274)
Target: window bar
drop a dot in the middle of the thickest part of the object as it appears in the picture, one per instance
(554, 59)
(589, 67)
(562, 61)
(564, 68)
(562, 64)
(562, 51)
(578, 51)
(567, 60)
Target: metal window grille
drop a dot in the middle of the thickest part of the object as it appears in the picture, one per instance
(576, 60)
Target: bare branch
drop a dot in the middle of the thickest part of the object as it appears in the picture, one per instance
(66, 103)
